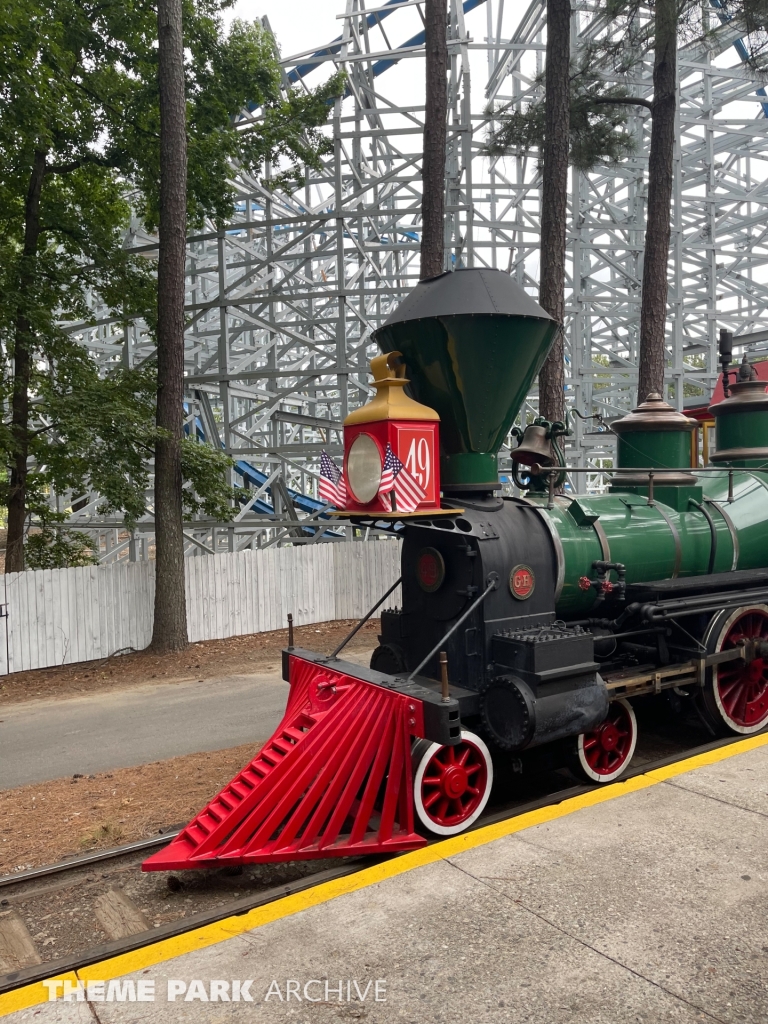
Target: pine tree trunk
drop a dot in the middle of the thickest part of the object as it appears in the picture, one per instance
(170, 622)
(653, 312)
(22, 367)
(554, 200)
(433, 165)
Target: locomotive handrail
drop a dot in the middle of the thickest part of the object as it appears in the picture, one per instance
(539, 470)
(492, 581)
(551, 472)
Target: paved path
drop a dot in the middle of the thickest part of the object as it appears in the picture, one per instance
(50, 739)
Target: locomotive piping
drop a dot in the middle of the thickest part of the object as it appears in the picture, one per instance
(731, 529)
(712, 532)
(694, 605)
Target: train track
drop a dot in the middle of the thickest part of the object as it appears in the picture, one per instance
(80, 901)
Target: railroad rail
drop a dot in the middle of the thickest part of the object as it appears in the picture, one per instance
(90, 858)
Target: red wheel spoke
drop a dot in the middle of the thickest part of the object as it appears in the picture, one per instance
(740, 707)
(730, 706)
(729, 685)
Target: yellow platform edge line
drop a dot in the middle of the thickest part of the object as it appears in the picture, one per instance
(209, 935)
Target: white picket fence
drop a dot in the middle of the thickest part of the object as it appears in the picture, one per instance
(58, 616)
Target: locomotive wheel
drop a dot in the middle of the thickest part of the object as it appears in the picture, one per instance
(736, 698)
(451, 785)
(604, 753)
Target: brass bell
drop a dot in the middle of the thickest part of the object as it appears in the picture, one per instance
(534, 448)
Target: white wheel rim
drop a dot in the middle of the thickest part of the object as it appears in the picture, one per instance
(425, 755)
(602, 777)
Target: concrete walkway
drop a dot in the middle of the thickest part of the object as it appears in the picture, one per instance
(50, 739)
(647, 907)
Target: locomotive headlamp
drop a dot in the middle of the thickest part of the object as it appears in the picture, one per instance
(396, 422)
(364, 468)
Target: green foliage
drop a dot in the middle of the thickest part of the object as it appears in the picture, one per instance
(205, 469)
(598, 131)
(629, 32)
(78, 85)
(696, 361)
(50, 545)
(599, 111)
(110, 433)
(236, 113)
(57, 548)
(754, 13)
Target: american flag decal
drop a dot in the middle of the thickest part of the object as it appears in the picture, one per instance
(395, 477)
(331, 487)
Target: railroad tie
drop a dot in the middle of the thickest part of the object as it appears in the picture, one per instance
(17, 950)
(119, 916)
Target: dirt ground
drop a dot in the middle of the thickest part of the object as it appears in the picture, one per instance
(46, 822)
(237, 655)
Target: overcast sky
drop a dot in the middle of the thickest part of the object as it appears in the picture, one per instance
(297, 24)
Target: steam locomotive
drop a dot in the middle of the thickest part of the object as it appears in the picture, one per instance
(527, 623)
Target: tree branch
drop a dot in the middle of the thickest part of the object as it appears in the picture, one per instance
(40, 430)
(632, 101)
(74, 165)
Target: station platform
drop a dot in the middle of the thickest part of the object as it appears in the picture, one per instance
(645, 901)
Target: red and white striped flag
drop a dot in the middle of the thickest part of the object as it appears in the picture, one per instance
(331, 487)
(395, 477)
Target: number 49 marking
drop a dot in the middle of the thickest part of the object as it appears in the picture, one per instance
(418, 462)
